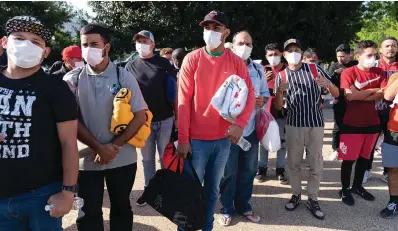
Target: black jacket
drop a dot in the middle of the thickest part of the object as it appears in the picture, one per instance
(61, 72)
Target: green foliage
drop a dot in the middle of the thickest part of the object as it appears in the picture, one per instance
(323, 25)
(379, 21)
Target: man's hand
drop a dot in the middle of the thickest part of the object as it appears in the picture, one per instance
(183, 150)
(234, 133)
(322, 81)
(2, 137)
(353, 88)
(283, 87)
(99, 160)
(107, 152)
(260, 101)
(269, 75)
(62, 203)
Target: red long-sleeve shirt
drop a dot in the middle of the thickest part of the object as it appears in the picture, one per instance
(201, 75)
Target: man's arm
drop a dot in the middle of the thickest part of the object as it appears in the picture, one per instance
(278, 101)
(392, 89)
(185, 94)
(359, 95)
(244, 117)
(264, 90)
(132, 128)
(84, 136)
(67, 133)
(375, 96)
(334, 91)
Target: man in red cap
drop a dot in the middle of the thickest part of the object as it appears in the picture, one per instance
(72, 57)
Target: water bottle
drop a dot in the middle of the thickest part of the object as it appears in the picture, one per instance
(244, 144)
(78, 203)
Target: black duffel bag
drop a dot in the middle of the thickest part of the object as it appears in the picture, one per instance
(179, 198)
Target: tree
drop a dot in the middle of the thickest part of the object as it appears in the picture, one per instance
(323, 25)
(379, 21)
(52, 14)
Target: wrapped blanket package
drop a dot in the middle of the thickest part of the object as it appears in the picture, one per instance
(267, 131)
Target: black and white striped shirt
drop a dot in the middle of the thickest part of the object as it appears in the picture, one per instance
(303, 97)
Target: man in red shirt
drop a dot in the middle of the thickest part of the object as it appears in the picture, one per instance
(273, 54)
(388, 63)
(201, 129)
(362, 85)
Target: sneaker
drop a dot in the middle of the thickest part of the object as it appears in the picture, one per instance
(384, 177)
(346, 197)
(141, 201)
(361, 191)
(366, 177)
(293, 203)
(282, 179)
(315, 209)
(261, 174)
(390, 211)
(334, 155)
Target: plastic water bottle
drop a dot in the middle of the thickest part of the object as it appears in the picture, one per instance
(78, 203)
(244, 144)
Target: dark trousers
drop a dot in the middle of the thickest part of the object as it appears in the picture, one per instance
(338, 114)
(119, 182)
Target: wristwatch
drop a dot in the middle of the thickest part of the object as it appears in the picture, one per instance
(70, 188)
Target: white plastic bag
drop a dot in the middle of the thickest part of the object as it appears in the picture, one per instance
(271, 141)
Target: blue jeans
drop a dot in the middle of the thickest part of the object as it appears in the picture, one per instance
(209, 159)
(280, 155)
(237, 184)
(26, 211)
(160, 137)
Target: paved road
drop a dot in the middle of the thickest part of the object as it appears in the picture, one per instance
(269, 199)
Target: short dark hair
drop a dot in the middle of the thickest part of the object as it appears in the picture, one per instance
(389, 38)
(309, 53)
(362, 45)
(272, 47)
(343, 48)
(96, 29)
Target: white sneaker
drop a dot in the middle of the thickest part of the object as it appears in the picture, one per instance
(366, 177)
(334, 156)
(384, 178)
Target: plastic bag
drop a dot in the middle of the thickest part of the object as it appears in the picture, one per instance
(267, 131)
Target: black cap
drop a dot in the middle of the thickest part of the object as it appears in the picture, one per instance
(28, 24)
(146, 34)
(217, 17)
(290, 42)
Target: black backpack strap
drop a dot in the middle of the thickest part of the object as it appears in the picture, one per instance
(255, 68)
(118, 76)
(77, 79)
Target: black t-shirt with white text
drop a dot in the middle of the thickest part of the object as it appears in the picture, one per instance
(30, 108)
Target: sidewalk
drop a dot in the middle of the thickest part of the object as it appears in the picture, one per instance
(270, 197)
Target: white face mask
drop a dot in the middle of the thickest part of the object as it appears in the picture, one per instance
(293, 58)
(24, 53)
(243, 52)
(369, 63)
(143, 49)
(212, 38)
(79, 64)
(274, 60)
(93, 56)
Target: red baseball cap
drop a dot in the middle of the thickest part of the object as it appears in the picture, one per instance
(72, 52)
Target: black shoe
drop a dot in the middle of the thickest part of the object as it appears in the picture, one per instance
(346, 197)
(361, 191)
(261, 174)
(141, 201)
(282, 179)
(390, 211)
(315, 209)
(293, 203)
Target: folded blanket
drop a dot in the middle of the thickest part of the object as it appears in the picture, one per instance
(231, 97)
(122, 115)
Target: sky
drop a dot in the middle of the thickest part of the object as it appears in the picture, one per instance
(81, 4)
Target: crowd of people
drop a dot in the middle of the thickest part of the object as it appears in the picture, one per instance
(56, 125)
